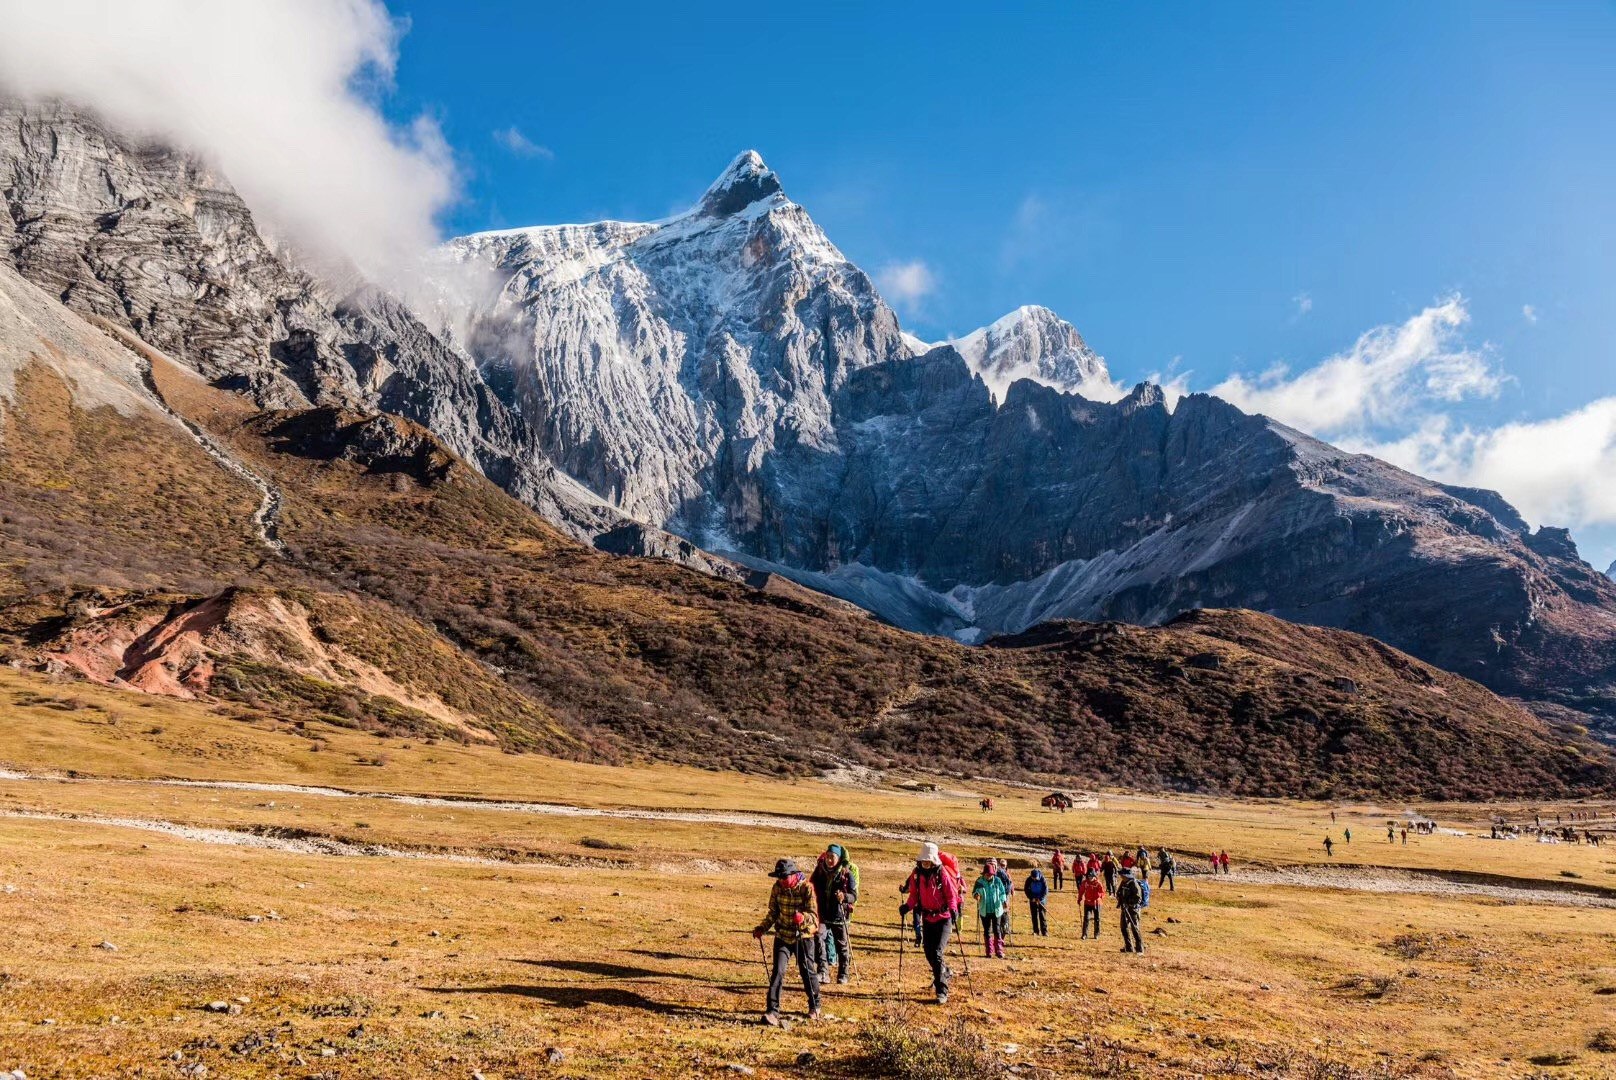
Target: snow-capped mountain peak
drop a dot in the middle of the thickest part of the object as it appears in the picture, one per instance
(746, 181)
(1034, 343)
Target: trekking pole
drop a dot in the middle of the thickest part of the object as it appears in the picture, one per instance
(965, 962)
(902, 934)
(763, 958)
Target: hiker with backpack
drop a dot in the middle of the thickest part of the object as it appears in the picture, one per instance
(1167, 866)
(1108, 867)
(1057, 865)
(1036, 889)
(931, 892)
(1001, 869)
(835, 884)
(1130, 896)
(791, 916)
(991, 901)
(1223, 860)
(1329, 847)
(1091, 893)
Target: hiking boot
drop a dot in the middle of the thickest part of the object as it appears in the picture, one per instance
(823, 975)
(842, 979)
(772, 1019)
(813, 1014)
(942, 997)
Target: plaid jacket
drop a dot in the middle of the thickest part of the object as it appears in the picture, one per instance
(791, 910)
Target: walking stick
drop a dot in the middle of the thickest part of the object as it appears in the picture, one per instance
(902, 934)
(763, 957)
(965, 961)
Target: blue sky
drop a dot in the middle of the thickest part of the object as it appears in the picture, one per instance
(1203, 190)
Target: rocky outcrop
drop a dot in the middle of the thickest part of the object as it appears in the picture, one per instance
(1036, 344)
(152, 239)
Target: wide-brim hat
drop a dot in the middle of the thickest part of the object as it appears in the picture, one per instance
(784, 868)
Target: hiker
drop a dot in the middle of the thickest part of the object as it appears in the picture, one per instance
(1036, 889)
(1405, 836)
(1091, 892)
(932, 892)
(1129, 897)
(986, 804)
(1346, 834)
(1329, 847)
(1108, 867)
(1144, 887)
(1332, 815)
(1223, 859)
(1391, 834)
(835, 883)
(991, 901)
(1167, 866)
(1057, 865)
(791, 917)
(1001, 870)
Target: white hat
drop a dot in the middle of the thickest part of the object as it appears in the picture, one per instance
(928, 853)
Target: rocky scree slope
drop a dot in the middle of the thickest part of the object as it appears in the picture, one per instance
(729, 375)
(415, 597)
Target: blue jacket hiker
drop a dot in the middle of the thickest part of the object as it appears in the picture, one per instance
(992, 898)
(1037, 891)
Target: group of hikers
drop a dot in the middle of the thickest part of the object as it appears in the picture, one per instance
(809, 913)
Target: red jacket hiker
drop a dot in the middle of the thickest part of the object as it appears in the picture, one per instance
(937, 896)
(1091, 892)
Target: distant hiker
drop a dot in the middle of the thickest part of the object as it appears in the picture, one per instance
(1091, 863)
(1166, 865)
(1001, 869)
(1332, 815)
(1346, 834)
(1057, 866)
(835, 883)
(991, 900)
(1141, 859)
(1223, 860)
(1405, 837)
(1144, 887)
(1036, 890)
(986, 804)
(1091, 892)
(1108, 867)
(1329, 847)
(1214, 864)
(1129, 898)
(791, 917)
(933, 894)
(1391, 834)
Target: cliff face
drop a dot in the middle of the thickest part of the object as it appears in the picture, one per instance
(151, 239)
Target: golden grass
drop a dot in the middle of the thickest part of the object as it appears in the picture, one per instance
(635, 959)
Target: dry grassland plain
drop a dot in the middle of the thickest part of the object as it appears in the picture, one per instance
(436, 935)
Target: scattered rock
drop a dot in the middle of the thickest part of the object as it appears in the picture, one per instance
(394, 943)
(243, 999)
(1172, 920)
(48, 1022)
(357, 1032)
(328, 1051)
(435, 933)
(217, 1006)
(254, 918)
(618, 892)
(1265, 986)
(108, 946)
(739, 1069)
(806, 1058)
(1101, 990)
(1160, 931)
(195, 1068)
(555, 1055)
(1010, 1048)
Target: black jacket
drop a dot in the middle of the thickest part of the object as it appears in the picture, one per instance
(827, 883)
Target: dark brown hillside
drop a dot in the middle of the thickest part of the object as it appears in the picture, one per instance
(418, 596)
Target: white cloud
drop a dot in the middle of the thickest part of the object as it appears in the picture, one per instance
(1388, 377)
(277, 94)
(1304, 304)
(1559, 471)
(1529, 313)
(512, 139)
(906, 283)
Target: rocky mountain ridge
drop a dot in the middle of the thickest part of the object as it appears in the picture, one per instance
(729, 376)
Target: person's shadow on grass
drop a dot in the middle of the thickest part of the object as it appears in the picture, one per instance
(576, 997)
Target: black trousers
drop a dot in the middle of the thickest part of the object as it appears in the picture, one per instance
(1167, 879)
(1110, 879)
(1040, 918)
(1091, 912)
(1060, 878)
(1130, 930)
(802, 951)
(844, 956)
(990, 930)
(936, 935)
